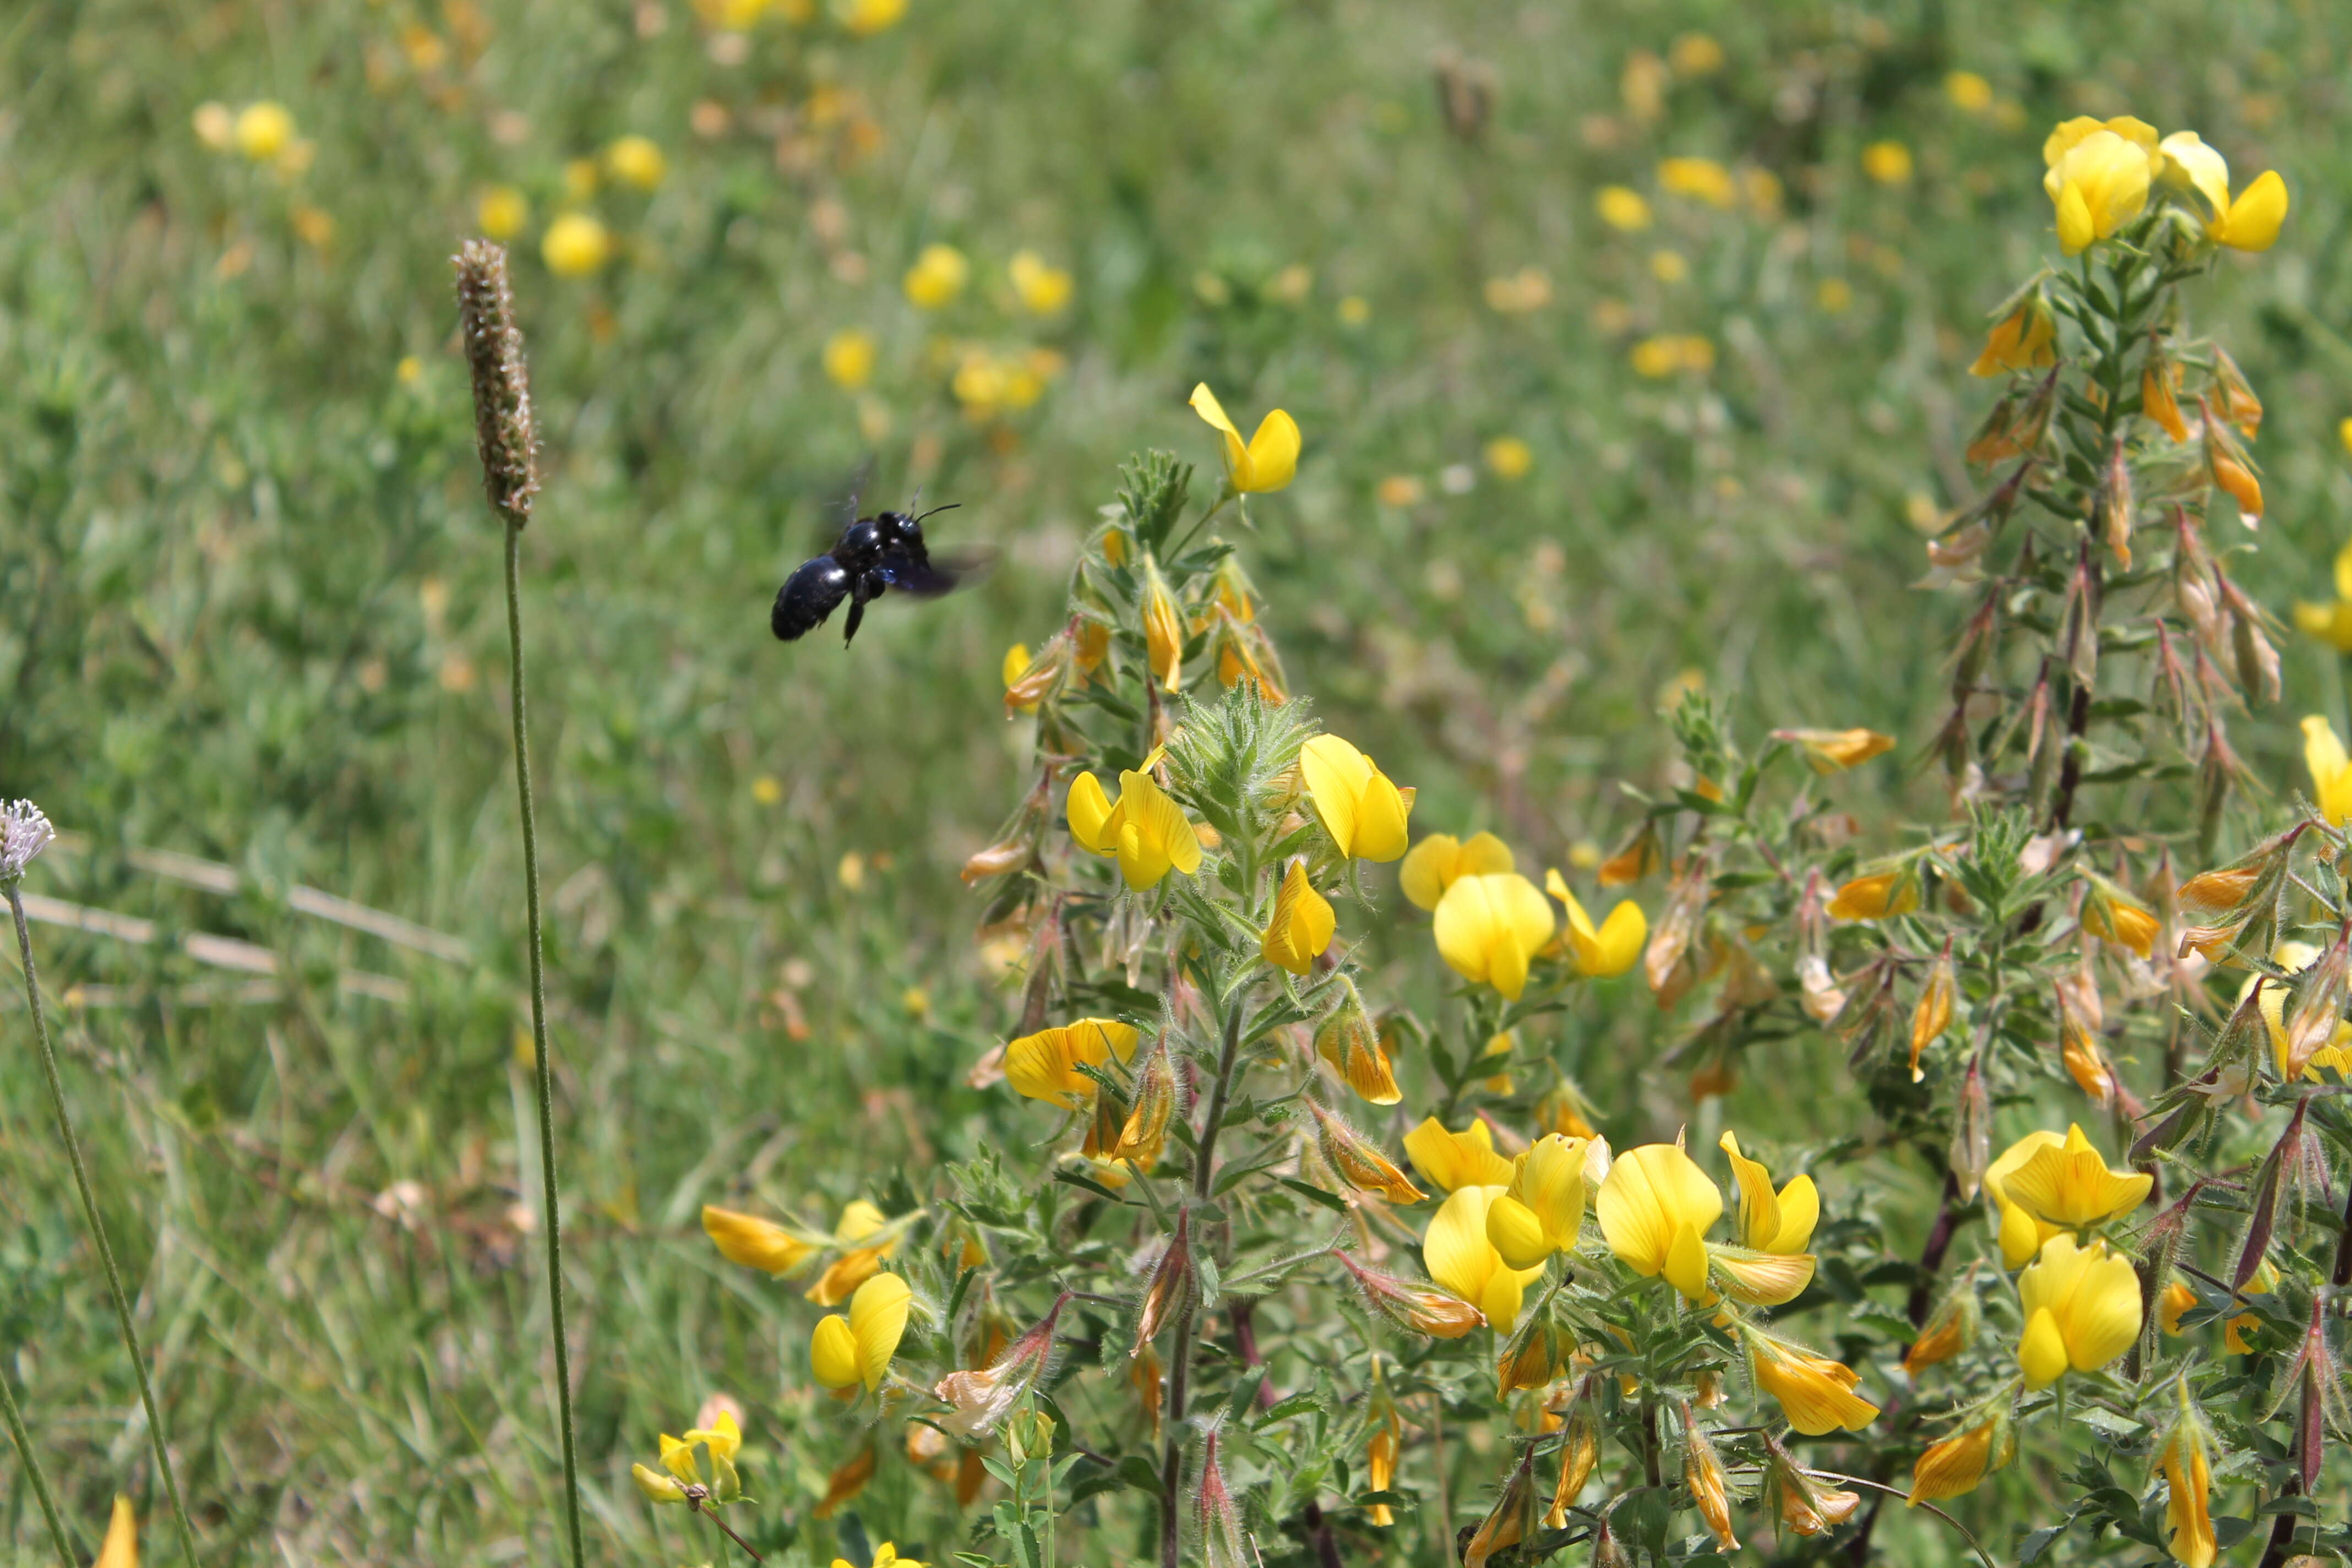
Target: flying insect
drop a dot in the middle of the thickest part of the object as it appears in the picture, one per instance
(870, 557)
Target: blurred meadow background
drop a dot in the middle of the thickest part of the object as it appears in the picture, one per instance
(1629, 343)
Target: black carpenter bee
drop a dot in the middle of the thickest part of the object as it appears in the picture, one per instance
(871, 556)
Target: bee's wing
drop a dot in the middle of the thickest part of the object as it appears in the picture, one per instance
(935, 573)
(837, 506)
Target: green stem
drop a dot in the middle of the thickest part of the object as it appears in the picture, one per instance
(541, 1066)
(97, 1228)
(33, 1469)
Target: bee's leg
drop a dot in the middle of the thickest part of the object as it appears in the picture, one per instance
(856, 614)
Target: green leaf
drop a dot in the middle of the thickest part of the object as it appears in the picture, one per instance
(1315, 1194)
(2036, 1542)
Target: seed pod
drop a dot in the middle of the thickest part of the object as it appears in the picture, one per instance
(1972, 1150)
(2115, 504)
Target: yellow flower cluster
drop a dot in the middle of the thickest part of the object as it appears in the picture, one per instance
(1491, 923)
(2100, 173)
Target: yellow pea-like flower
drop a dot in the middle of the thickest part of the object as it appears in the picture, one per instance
(1489, 926)
(1959, 1463)
(1458, 1255)
(2025, 339)
(1145, 828)
(1045, 1065)
(1540, 1211)
(1457, 1159)
(849, 357)
(655, 1486)
(2331, 622)
(2067, 1183)
(636, 160)
(1270, 459)
(1612, 949)
(1655, 1209)
(2253, 221)
(833, 1353)
(1876, 896)
(1834, 750)
(263, 129)
(754, 1242)
(121, 1548)
(1361, 808)
(2098, 181)
(845, 1352)
(2081, 1307)
(1440, 861)
(2331, 770)
(1043, 290)
(1815, 1393)
(1163, 628)
(1346, 1039)
(1780, 1221)
(1302, 924)
(2020, 1234)
(576, 245)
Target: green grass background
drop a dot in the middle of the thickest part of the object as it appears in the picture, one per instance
(251, 605)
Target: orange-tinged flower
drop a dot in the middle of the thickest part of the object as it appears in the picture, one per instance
(1455, 1160)
(846, 1481)
(1360, 809)
(1612, 949)
(1163, 628)
(1655, 1210)
(1458, 1255)
(1145, 828)
(757, 1243)
(2120, 921)
(2081, 1307)
(1268, 462)
(1640, 858)
(2189, 1476)
(1357, 1162)
(2176, 1300)
(1709, 1488)
(2159, 383)
(1346, 1039)
(1385, 1443)
(1489, 926)
(1815, 1393)
(1933, 1015)
(1951, 1330)
(1958, 1464)
(1877, 897)
(1043, 1066)
(1440, 861)
(2025, 339)
(1302, 924)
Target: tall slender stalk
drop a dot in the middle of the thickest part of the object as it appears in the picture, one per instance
(90, 1216)
(508, 441)
(32, 1459)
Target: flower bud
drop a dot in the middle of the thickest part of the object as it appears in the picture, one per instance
(1580, 1451)
(1423, 1309)
(1346, 1039)
(1958, 1463)
(1144, 1133)
(1382, 1447)
(1709, 1488)
(1951, 1330)
(1933, 1013)
(1530, 1358)
(1357, 1161)
(2158, 381)
(1171, 1286)
(1805, 1507)
(1163, 628)
(1510, 1521)
(1037, 679)
(1215, 1517)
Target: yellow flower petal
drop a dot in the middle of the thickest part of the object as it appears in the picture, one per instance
(1456, 1160)
(833, 1353)
(1489, 927)
(1302, 925)
(2254, 220)
(877, 1321)
(1091, 816)
(1650, 1196)
(1273, 459)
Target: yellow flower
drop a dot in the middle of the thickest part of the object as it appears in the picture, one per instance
(1440, 860)
(1889, 163)
(754, 1242)
(1045, 1065)
(1357, 1162)
(1457, 1159)
(2020, 1234)
(2067, 1183)
(1655, 1209)
(576, 246)
(502, 211)
(1363, 810)
(1508, 458)
(1612, 949)
(263, 131)
(1778, 1221)
(2188, 1467)
(1833, 751)
(1386, 1442)
(2293, 956)
(2098, 178)
(2250, 222)
(2025, 339)
(842, 1353)
(1876, 896)
(1163, 628)
(1302, 924)
(1539, 1213)
(655, 1486)
(1709, 1489)
(1146, 830)
(636, 161)
(1043, 290)
(1269, 461)
(2081, 1307)
(1620, 207)
(849, 358)
(2177, 1298)
(1489, 927)
(1967, 91)
(1695, 55)
(1815, 1393)
(1458, 1255)
(868, 17)
(938, 275)
(1958, 1463)
(2120, 921)
(121, 1548)
(2331, 770)
(1702, 179)
(1658, 357)
(2331, 622)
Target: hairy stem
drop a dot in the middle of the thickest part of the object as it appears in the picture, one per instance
(97, 1228)
(26, 1451)
(541, 1066)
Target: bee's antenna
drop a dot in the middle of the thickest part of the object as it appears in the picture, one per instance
(937, 510)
